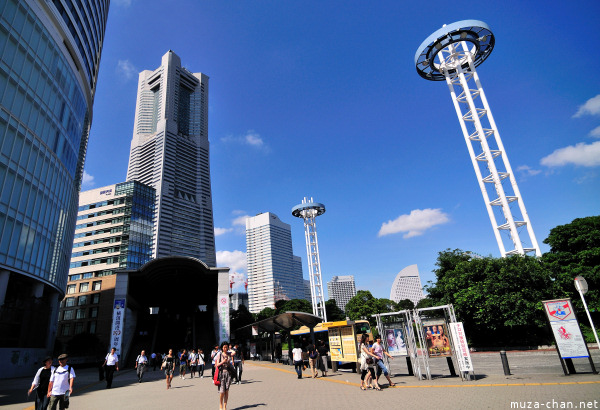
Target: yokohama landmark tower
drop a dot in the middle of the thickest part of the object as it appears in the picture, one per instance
(169, 152)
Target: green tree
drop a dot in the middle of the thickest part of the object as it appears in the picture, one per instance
(240, 317)
(405, 304)
(363, 305)
(265, 313)
(425, 303)
(575, 250)
(497, 299)
(334, 313)
(296, 305)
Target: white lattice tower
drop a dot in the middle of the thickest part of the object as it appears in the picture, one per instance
(309, 210)
(451, 54)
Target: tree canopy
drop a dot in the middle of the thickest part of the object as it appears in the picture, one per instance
(363, 305)
(334, 313)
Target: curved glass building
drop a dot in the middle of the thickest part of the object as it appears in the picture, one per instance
(49, 57)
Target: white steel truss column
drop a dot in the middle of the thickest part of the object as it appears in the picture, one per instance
(478, 126)
(314, 263)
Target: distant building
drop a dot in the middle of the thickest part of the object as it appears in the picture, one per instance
(273, 271)
(307, 292)
(113, 232)
(407, 285)
(238, 299)
(341, 289)
(49, 61)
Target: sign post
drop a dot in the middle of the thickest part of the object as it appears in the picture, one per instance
(582, 288)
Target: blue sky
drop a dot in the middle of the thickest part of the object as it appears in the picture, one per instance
(322, 99)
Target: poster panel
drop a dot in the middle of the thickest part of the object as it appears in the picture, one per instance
(436, 337)
(460, 342)
(559, 310)
(116, 337)
(569, 340)
(348, 344)
(394, 337)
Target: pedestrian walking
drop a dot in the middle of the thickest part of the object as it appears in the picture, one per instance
(298, 362)
(193, 361)
(140, 365)
(40, 384)
(168, 365)
(224, 362)
(323, 364)
(313, 355)
(60, 386)
(367, 361)
(238, 363)
(183, 362)
(379, 352)
(111, 363)
(213, 354)
(154, 361)
(201, 363)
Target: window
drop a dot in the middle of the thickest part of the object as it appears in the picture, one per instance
(97, 285)
(88, 275)
(66, 330)
(74, 277)
(95, 298)
(84, 287)
(68, 315)
(93, 312)
(92, 327)
(71, 289)
(82, 300)
(78, 328)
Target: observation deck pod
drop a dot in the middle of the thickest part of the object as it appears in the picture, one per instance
(302, 209)
(476, 35)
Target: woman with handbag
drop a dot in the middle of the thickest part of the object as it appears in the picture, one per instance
(168, 365)
(224, 365)
(367, 360)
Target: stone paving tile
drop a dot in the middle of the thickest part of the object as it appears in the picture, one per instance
(275, 386)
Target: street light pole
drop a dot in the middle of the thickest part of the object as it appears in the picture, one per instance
(582, 288)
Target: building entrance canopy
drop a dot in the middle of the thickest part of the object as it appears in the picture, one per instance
(284, 321)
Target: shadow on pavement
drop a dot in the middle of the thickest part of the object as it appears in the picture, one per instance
(249, 406)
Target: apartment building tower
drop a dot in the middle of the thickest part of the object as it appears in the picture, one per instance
(170, 152)
(273, 271)
(341, 289)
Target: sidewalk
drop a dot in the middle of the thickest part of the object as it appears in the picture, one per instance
(276, 386)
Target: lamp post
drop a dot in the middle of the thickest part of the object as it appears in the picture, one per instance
(582, 288)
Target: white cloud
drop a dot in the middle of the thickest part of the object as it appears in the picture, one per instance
(122, 3)
(586, 155)
(526, 170)
(222, 231)
(591, 107)
(414, 224)
(240, 220)
(595, 132)
(235, 261)
(87, 180)
(126, 69)
(251, 138)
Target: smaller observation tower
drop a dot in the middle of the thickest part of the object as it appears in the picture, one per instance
(309, 210)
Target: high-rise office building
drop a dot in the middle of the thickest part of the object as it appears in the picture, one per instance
(49, 58)
(307, 293)
(341, 289)
(113, 231)
(407, 285)
(169, 152)
(272, 267)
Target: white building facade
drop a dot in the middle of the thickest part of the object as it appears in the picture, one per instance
(273, 270)
(341, 289)
(170, 152)
(407, 285)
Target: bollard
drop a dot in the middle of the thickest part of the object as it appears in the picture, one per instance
(504, 362)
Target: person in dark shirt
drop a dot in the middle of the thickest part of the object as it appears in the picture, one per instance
(40, 382)
(323, 365)
(168, 365)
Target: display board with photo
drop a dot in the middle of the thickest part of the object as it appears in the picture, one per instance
(437, 338)
(396, 341)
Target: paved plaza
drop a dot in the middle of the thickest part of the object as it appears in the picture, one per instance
(536, 379)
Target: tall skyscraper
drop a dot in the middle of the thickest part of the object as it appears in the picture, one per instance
(169, 152)
(341, 289)
(113, 231)
(407, 285)
(272, 267)
(49, 58)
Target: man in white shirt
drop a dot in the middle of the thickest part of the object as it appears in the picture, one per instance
(140, 365)
(111, 363)
(298, 362)
(60, 387)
